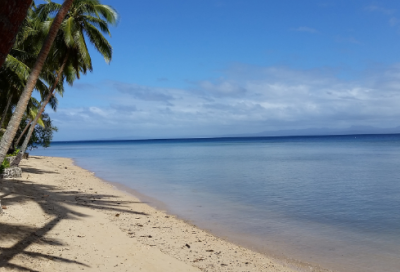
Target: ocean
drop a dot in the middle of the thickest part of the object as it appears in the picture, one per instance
(332, 201)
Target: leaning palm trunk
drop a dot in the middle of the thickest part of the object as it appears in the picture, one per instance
(5, 111)
(40, 111)
(12, 14)
(23, 133)
(13, 125)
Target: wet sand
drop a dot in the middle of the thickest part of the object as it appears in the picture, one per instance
(60, 217)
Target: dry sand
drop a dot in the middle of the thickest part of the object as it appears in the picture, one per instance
(60, 217)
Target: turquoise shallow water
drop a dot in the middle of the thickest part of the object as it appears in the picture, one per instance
(333, 201)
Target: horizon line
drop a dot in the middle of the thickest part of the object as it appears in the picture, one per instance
(227, 137)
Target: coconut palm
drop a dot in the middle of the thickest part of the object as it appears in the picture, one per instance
(86, 18)
(30, 115)
(13, 76)
(13, 125)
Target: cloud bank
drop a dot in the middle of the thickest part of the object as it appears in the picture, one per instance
(246, 99)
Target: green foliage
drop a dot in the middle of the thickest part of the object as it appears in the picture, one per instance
(15, 153)
(41, 136)
(4, 165)
(87, 22)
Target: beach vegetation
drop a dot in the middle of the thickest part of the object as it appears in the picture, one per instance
(32, 79)
(13, 154)
(41, 135)
(5, 164)
(86, 20)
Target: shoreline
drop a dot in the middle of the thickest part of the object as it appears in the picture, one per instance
(76, 193)
(240, 240)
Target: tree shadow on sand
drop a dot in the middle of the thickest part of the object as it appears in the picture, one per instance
(52, 201)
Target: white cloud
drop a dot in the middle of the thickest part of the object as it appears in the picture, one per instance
(256, 99)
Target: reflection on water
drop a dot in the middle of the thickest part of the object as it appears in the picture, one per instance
(334, 201)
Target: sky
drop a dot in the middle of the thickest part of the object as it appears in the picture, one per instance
(209, 68)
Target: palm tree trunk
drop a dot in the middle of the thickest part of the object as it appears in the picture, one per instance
(13, 125)
(22, 134)
(5, 110)
(12, 14)
(22, 150)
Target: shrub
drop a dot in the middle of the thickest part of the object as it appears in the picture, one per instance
(4, 165)
(15, 153)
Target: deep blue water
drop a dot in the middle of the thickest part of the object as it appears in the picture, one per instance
(332, 200)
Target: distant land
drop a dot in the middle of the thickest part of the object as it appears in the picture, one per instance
(353, 130)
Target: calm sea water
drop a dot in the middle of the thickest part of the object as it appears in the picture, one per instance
(332, 201)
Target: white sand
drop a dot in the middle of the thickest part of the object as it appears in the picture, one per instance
(60, 217)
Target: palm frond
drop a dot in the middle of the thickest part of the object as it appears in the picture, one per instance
(108, 13)
(53, 103)
(43, 11)
(100, 23)
(98, 40)
(69, 28)
(83, 50)
(18, 67)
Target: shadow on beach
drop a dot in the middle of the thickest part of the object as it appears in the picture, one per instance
(54, 202)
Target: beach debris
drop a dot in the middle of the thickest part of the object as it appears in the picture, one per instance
(187, 245)
(117, 215)
(209, 250)
(198, 260)
(4, 207)
(66, 167)
(81, 236)
(139, 225)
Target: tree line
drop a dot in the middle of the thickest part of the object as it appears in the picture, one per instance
(47, 47)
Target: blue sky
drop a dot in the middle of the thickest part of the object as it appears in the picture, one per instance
(218, 67)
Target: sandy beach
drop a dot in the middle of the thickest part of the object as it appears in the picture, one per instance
(60, 217)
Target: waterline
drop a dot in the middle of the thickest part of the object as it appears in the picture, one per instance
(333, 201)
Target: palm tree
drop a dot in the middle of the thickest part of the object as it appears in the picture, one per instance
(13, 125)
(13, 12)
(31, 114)
(82, 20)
(13, 76)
